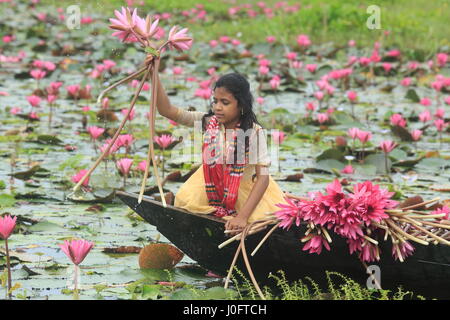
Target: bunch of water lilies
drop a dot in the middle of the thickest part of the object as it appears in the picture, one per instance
(130, 27)
(76, 251)
(364, 217)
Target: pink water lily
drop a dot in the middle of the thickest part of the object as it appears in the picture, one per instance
(447, 101)
(425, 116)
(425, 102)
(51, 98)
(405, 249)
(15, 110)
(177, 70)
(364, 136)
(398, 120)
(440, 113)
(348, 169)
(53, 88)
(76, 250)
(73, 90)
(179, 40)
(319, 95)
(440, 125)
(124, 165)
(406, 82)
(33, 115)
(387, 146)
(275, 82)
(352, 96)
(142, 165)
(146, 28)
(95, 132)
(416, 134)
(311, 106)
(7, 225)
(291, 55)
(303, 40)
(263, 70)
(132, 114)
(315, 245)
(442, 59)
(124, 140)
(34, 100)
(124, 23)
(353, 133)
(260, 100)
(164, 140)
(387, 67)
(80, 174)
(322, 117)
(271, 39)
(311, 67)
(38, 74)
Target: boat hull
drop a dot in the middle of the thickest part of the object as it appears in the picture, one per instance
(426, 272)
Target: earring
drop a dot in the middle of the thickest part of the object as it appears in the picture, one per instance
(242, 112)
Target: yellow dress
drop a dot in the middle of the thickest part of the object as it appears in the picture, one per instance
(192, 194)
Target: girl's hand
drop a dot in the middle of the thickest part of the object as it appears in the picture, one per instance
(237, 223)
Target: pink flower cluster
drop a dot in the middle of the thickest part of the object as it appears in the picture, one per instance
(348, 215)
(247, 10)
(132, 28)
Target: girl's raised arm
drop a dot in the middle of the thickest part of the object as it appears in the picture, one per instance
(165, 108)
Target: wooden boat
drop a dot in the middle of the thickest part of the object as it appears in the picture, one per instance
(426, 272)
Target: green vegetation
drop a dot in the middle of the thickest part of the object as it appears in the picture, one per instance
(339, 287)
(412, 27)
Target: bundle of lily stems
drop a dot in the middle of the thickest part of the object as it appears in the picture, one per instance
(377, 219)
(132, 28)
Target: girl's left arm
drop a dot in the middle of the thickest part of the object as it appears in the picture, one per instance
(257, 192)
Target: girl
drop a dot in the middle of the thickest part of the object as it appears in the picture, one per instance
(225, 182)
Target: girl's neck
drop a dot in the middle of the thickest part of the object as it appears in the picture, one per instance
(231, 125)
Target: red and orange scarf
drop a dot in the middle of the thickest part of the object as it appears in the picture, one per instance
(222, 180)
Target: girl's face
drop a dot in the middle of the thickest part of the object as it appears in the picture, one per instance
(225, 108)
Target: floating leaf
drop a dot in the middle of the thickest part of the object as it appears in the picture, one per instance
(26, 257)
(331, 154)
(151, 291)
(123, 250)
(402, 133)
(48, 139)
(159, 256)
(25, 175)
(412, 95)
(440, 188)
(378, 161)
(329, 164)
(7, 200)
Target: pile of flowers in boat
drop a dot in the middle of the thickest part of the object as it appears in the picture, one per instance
(364, 217)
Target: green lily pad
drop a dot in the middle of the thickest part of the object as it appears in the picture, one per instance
(378, 161)
(331, 154)
(398, 154)
(7, 200)
(329, 164)
(365, 169)
(412, 95)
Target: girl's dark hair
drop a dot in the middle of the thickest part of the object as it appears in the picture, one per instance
(239, 87)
